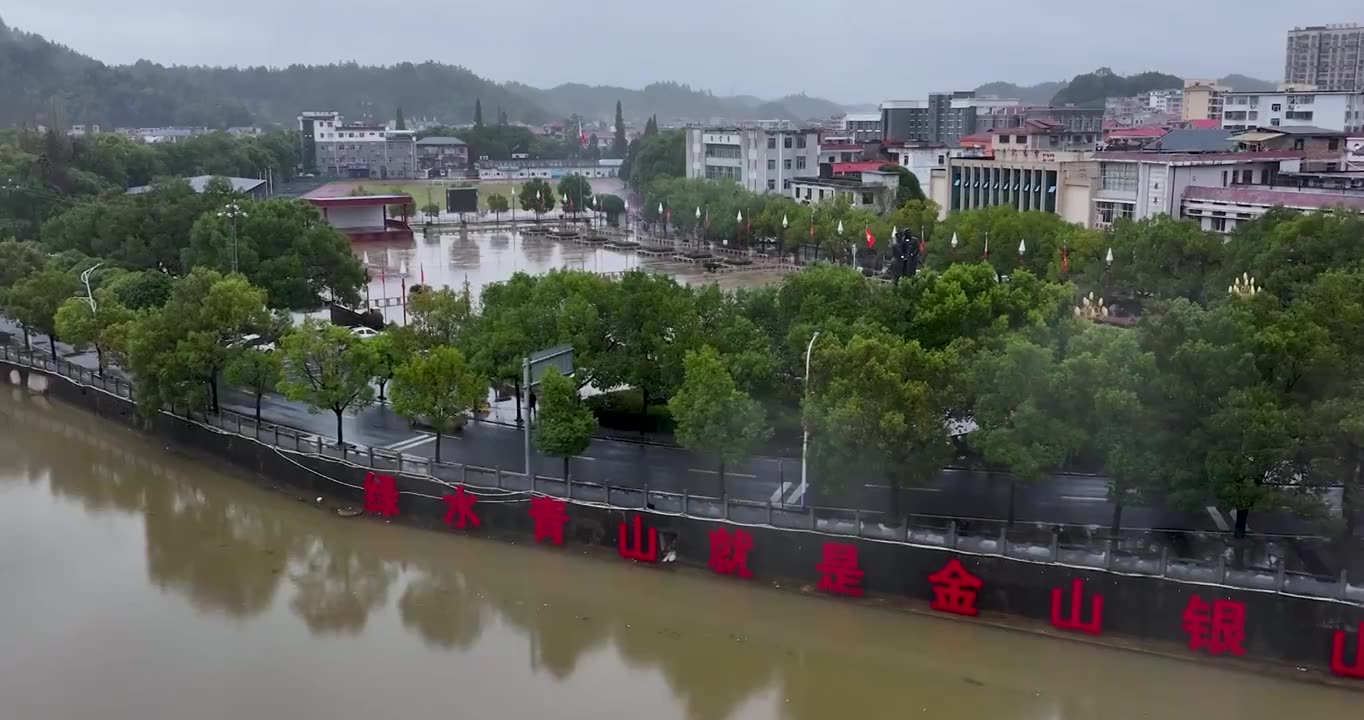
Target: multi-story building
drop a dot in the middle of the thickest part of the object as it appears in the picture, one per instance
(1166, 102)
(919, 158)
(1221, 209)
(1139, 185)
(1202, 100)
(355, 150)
(760, 159)
(861, 127)
(308, 124)
(1044, 135)
(1058, 182)
(1322, 150)
(441, 156)
(1329, 57)
(840, 151)
(864, 188)
(942, 118)
(1341, 111)
(1076, 119)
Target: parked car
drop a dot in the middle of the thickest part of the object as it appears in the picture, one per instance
(363, 332)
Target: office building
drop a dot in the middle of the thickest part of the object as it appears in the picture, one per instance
(1322, 150)
(762, 159)
(1328, 57)
(442, 156)
(1341, 111)
(860, 127)
(1140, 185)
(335, 148)
(1202, 100)
(865, 188)
(942, 118)
(1056, 182)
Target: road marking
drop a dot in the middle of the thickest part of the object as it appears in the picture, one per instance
(583, 457)
(410, 443)
(874, 486)
(728, 474)
(797, 496)
(780, 492)
(1217, 519)
(1084, 498)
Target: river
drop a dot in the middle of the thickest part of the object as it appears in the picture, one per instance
(139, 584)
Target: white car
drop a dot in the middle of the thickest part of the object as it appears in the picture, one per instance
(364, 332)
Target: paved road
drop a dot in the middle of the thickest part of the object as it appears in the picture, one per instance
(1067, 499)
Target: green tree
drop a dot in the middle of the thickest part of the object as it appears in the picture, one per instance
(389, 352)
(18, 260)
(328, 368)
(880, 404)
(613, 206)
(83, 326)
(478, 113)
(399, 123)
(286, 248)
(909, 188)
(141, 290)
(498, 204)
(256, 370)
(437, 389)
(714, 417)
(658, 155)
(1158, 257)
(564, 425)
(431, 210)
(33, 301)
(618, 144)
(578, 190)
(179, 351)
(1285, 251)
(646, 317)
(537, 196)
(441, 317)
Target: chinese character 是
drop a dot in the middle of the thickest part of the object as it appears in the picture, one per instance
(838, 571)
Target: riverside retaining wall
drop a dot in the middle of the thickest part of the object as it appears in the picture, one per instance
(1207, 620)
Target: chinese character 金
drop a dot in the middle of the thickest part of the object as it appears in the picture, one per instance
(954, 589)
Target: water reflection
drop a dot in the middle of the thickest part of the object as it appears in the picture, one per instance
(599, 637)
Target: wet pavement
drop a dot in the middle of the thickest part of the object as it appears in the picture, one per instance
(139, 585)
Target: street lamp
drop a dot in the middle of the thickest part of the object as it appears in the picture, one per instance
(954, 241)
(805, 439)
(85, 279)
(233, 212)
(839, 230)
(1243, 286)
(1091, 309)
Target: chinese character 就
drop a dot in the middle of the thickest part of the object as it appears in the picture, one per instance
(729, 552)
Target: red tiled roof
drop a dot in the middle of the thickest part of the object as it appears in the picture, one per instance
(977, 139)
(1268, 197)
(850, 167)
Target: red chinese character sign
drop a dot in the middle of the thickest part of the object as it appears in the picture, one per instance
(550, 516)
(1215, 627)
(459, 508)
(1338, 664)
(954, 589)
(636, 550)
(838, 571)
(381, 494)
(729, 552)
(1073, 621)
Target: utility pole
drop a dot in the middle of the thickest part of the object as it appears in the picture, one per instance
(232, 211)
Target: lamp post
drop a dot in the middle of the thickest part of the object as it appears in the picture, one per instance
(512, 203)
(805, 439)
(627, 218)
(782, 239)
(232, 211)
(1091, 308)
(1243, 286)
(839, 230)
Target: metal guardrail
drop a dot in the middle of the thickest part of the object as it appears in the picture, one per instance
(1204, 557)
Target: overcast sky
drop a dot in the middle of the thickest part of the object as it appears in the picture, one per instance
(874, 50)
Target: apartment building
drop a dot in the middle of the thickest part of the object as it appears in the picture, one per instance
(1342, 111)
(762, 159)
(335, 148)
(861, 127)
(1202, 100)
(1329, 57)
(1139, 185)
(942, 118)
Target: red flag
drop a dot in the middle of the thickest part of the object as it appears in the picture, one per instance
(871, 239)
(1065, 259)
(667, 216)
(922, 246)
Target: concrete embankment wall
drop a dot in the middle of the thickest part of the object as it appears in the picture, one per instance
(1278, 629)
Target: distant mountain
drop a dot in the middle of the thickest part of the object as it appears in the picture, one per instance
(670, 101)
(1039, 94)
(1248, 84)
(1091, 89)
(39, 78)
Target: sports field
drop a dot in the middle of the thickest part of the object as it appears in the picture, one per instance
(422, 191)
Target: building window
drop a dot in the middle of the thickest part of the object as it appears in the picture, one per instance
(821, 194)
(786, 164)
(847, 157)
(771, 164)
(785, 184)
(1333, 144)
(1246, 176)
(771, 143)
(1021, 139)
(771, 184)
(1108, 212)
(800, 142)
(1274, 122)
(1219, 224)
(1276, 107)
(1003, 139)
(1299, 115)
(868, 198)
(786, 141)
(800, 162)
(1298, 143)
(1121, 177)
